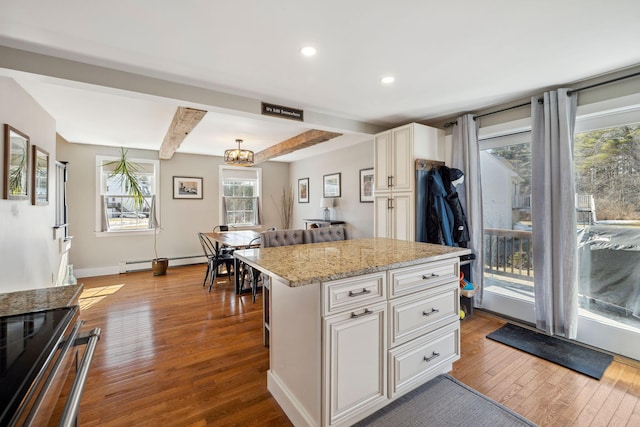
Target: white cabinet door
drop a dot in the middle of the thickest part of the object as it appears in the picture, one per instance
(402, 158)
(402, 212)
(382, 159)
(393, 216)
(382, 218)
(355, 363)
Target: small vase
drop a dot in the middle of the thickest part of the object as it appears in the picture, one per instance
(71, 279)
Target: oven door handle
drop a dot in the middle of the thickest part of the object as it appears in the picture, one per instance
(73, 402)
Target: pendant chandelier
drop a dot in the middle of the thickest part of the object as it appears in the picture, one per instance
(238, 157)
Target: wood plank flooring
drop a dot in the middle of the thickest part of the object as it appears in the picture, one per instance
(173, 354)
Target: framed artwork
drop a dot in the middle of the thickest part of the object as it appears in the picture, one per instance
(331, 185)
(303, 190)
(40, 177)
(187, 187)
(366, 185)
(16, 164)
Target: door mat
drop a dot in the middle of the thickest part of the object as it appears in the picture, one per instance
(444, 402)
(564, 353)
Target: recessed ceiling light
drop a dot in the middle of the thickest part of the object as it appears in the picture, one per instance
(387, 80)
(308, 51)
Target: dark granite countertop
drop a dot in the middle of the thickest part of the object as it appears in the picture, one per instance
(38, 299)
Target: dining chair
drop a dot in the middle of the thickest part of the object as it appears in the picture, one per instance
(215, 258)
(225, 227)
(251, 273)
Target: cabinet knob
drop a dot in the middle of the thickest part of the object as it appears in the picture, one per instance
(432, 276)
(390, 181)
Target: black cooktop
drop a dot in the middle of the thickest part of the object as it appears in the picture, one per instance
(26, 341)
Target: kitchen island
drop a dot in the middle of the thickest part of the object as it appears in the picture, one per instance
(353, 325)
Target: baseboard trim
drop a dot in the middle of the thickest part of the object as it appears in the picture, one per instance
(132, 266)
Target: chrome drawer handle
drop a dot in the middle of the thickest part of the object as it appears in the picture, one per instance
(356, 294)
(429, 313)
(366, 312)
(430, 358)
(432, 276)
(70, 413)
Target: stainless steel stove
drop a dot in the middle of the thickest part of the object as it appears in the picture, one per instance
(37, 353)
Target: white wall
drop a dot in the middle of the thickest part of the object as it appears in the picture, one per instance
(96, 254)
(29, 253)
(348, 162)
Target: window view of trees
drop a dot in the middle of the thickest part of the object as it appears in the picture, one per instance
(607, 166)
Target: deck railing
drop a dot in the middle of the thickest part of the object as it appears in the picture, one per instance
(508, 252)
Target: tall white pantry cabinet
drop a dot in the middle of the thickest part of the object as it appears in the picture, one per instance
(394, 181)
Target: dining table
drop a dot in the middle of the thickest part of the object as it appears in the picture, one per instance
(236, 239)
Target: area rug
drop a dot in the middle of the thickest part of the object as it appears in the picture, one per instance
(573, 356)
(444, 402)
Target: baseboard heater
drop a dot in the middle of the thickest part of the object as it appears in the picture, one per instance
(130, 266)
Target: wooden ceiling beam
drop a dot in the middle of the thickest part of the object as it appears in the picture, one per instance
(298, 142)
(184, 121)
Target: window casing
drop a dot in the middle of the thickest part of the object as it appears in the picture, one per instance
(115, 210)
(241, 189)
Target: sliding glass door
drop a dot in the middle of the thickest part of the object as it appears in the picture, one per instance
(505, 164)
(607, 202)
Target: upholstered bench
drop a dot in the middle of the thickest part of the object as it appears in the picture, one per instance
(298, 236)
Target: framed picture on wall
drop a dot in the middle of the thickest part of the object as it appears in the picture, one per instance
(303, 190)
(187, 187)
(16, 164)
(366, 185)
(331, 185)
(40, 177)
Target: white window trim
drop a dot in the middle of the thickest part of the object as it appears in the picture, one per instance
(98, 205)
(221, 170)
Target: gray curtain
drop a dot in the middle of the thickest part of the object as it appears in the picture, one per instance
(554, 213)
(258, 211)
(466, 157)
(153, 214)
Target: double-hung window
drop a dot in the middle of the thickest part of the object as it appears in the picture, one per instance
(116, 210)
(240, 190)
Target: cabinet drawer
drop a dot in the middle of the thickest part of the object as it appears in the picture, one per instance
(417, 361)
(416, 314)
(346, 294)
(403, 281)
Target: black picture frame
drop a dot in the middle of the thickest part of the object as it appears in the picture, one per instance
(366, 185)
(303, 190)
(331, 186)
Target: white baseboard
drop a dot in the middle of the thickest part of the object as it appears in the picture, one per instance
(124, 266)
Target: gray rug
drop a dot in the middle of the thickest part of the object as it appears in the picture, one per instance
(444, 401)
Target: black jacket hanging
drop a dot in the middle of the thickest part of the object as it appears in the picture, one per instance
(460, 228)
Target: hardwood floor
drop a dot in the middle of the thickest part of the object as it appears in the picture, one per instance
(173, 354)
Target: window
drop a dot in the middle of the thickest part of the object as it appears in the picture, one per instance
(240, 189)
(116, 211)
(61, 197)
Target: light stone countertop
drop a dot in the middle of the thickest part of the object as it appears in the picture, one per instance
(39, 299)
(299, 265)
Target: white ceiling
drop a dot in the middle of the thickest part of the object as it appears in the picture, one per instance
(447, 58)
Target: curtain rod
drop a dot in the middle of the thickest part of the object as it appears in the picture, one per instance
(540, 100)
(571, 92)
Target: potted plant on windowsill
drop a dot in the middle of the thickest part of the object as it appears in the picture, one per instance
(126, 172)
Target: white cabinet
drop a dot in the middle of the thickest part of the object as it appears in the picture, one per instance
(355, 363)
(342, 349)
(394, 215)
(394, 158)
